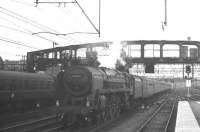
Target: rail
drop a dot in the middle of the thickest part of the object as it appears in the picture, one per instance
(28, 126)
(147, 122)
(168, 121)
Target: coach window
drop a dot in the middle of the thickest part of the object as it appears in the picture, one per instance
(170, 50)
(152, 50)
(81, 53)
(132, 51)
(50, 55)
(66, 54)
(46, 55)
(58, 55)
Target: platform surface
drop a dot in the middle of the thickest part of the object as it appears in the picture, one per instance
(186, 121)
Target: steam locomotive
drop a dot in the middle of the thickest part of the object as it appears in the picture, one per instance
(84, 93)
(97, 94)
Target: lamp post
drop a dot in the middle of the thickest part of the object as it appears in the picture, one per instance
(54, 43)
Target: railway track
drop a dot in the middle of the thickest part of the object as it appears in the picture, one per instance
(117, 121)
(45, 124)
(192, 98)
(13, 118)
(53, 124)
(160, 119)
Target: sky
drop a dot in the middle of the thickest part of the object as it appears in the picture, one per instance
(120, 20)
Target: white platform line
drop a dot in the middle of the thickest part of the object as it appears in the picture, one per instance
(186, 121)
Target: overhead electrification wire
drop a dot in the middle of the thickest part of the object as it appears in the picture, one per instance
(23, 20)
(16, 42)
(65, 34)
(23, 3)
(27, 20)
(29, 32)
(14, 29)
(31, 22)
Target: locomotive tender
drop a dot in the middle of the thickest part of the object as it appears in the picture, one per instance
(99, 94)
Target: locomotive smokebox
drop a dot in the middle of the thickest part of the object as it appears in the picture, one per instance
(77, 81)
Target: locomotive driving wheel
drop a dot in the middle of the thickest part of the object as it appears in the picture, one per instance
(101, 106)
(117, 106)
(106, 113)
(113, 105)
(115, 110)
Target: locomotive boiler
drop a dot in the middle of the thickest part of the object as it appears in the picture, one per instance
(98, 94)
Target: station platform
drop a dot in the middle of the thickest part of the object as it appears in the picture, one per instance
(186, 121)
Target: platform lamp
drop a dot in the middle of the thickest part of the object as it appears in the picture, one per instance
(54, 55)
(54, 43)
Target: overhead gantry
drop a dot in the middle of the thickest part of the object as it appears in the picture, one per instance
(186, 53)
(182, 50)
